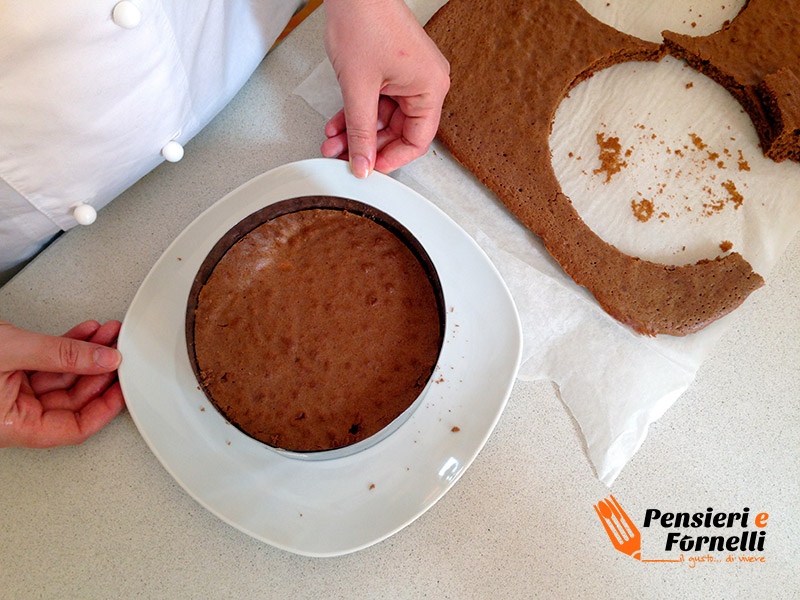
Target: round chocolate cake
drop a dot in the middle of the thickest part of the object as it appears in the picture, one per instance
(316, 329)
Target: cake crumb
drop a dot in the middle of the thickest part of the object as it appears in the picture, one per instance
(610, 156)
(734, 196)
(202, 409)
(718, 204)
(455, 429)
(179, 258)
(371, 486)
(229, 443)
(698, 141)
(689, 85)
(725, 245)
(642, 210)
(743, 164)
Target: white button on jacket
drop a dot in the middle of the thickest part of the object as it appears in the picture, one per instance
(172, 152)
(96, 93)
(126, 14)
(84, 214)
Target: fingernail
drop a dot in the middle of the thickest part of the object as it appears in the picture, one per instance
(359, 165)
(107, 357)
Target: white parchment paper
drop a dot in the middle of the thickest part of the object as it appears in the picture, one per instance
(690, 168)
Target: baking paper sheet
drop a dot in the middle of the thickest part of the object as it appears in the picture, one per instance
(689, 151)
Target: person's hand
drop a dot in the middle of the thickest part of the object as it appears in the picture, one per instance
(57, 390)
(393, 80)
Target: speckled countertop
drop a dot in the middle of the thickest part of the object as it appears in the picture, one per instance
(106, 519)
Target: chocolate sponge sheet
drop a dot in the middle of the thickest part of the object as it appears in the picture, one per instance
(512, 63)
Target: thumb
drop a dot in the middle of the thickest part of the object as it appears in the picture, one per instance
(26, 350)
(361, 121)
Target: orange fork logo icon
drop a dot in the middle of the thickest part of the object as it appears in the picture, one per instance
(619, 527)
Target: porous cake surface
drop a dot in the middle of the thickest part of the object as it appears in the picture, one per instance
(316, 330)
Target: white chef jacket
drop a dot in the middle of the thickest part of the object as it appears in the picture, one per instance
(91, 93)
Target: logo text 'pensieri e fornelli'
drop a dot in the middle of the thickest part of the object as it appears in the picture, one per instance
(734, 534)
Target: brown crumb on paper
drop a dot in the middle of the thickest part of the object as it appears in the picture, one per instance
(689, 85)
(642, 210)
(743, 165)
(455, 429)
(725, 245)
(610, 156)
(698, 141)
(371, 486)
(718, 204)
(733, 195)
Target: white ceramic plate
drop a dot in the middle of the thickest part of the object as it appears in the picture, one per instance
(322, 508)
